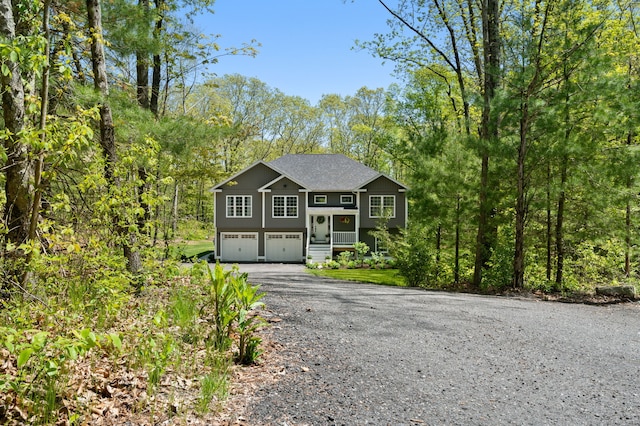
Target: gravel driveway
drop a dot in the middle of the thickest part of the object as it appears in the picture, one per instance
(363, 354)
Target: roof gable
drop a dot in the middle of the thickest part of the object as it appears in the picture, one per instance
(324, 172)
(256, 175)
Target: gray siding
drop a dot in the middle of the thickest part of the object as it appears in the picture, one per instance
(246, 183)
(382, 186)
(333, 199)
(284, 187)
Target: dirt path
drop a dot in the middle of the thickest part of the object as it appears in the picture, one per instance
(355, 354)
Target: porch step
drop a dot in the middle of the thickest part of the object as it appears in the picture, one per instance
(318, 253)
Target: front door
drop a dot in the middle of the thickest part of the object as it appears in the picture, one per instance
(320, 228)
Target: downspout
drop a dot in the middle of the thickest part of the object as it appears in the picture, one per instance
(306, 226)
(406, 208)
(216, 234)
(357, 196)
(264, 220)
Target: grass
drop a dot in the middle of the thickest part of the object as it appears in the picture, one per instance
(189, 249)
(388, 277)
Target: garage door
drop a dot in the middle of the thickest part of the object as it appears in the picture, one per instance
(239, 247)
(283, 247)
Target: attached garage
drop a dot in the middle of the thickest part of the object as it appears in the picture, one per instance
(239, 246)
(283, 246)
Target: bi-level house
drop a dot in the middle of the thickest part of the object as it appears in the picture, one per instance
(303, 207)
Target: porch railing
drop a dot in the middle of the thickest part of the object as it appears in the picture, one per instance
(344, 238)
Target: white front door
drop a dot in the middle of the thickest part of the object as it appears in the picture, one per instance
(320, 228)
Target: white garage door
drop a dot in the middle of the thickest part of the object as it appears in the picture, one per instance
(239, 246)
(283, 247)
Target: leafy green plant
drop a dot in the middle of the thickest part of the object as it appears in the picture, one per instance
(221, 299)
(344, 258)
(248, 299)
(378, 260)
(332, 264)
(361, 249)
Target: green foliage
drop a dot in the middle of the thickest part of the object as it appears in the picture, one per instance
(213, 385)
(41, 359)
(247, 300)
(344, 257)
(195, 230)
(595, 264)
(412, 255)
(154, 352)
(361, 249)
(221, 300)
(499, 273)
(185, 313)
(97, 283)
(231, 300)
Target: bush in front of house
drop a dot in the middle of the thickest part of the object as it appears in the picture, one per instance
(412, 256)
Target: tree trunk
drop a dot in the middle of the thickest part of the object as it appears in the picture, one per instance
(560, 223)
(549, 227)
(483, 248)
(627, 238)
(174, 211)
(488, 129)
(142, 66)
(18, 167)
(142, 79)
(456, 265)
(107, 133)
(438, 248)
(518, 258)
(157, 63)
(39, 164)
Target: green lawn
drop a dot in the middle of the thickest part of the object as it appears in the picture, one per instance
(375, 276)
(190, 249)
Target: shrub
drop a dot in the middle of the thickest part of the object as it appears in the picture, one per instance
(361, 250)
(378, 260)
(332, 264)
(413, 259)
(344, 258)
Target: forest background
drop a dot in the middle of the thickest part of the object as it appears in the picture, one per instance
(516, 130)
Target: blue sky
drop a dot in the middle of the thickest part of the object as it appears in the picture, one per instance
(307, 45)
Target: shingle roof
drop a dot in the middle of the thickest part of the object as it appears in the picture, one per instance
(325, 172)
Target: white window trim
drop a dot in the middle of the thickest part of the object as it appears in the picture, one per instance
(244, 205)
(349, 197)
(315, 199)
(382, 197)
(285, 216)
(378, 249)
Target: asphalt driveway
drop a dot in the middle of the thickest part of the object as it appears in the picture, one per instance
(363, 354)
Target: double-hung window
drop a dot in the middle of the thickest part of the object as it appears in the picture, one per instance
(382, 206)
(238, 205)
(285, 206)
